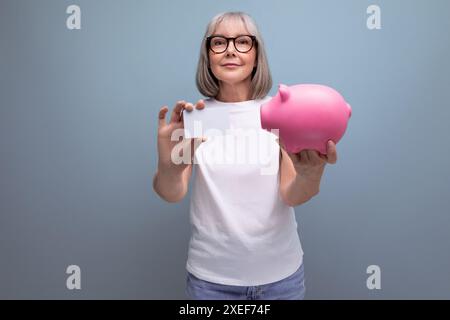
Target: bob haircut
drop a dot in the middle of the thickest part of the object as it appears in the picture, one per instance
(208, 84)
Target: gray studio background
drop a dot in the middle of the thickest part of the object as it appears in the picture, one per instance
(78, 128)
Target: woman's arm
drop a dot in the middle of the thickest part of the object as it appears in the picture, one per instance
(301, 173)
(171, 179)
(172, 186)
(294, 189)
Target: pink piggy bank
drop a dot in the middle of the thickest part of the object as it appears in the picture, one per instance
(307, 116)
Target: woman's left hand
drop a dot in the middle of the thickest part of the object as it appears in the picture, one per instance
(311, 163)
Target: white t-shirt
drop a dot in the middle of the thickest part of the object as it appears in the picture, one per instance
(242, 231)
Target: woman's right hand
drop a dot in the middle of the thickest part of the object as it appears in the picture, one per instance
(166, 130)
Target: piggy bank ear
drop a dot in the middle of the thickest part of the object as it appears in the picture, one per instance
(284, 92)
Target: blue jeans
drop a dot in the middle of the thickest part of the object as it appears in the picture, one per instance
(290, 288)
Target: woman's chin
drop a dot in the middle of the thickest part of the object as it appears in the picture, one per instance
(232, 80)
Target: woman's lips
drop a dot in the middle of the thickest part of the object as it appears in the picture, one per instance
(231, 65)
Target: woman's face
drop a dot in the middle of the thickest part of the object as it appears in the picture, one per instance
(245, 61)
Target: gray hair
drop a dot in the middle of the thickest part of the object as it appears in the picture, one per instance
(208, 84)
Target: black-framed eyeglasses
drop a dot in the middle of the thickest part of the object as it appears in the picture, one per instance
(242, 43)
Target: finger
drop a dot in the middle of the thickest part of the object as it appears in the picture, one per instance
(295, 157)
(314, 156)
(200, 104)
(176, 112)
(189, 107)
(323, 157)
(162, 116)
(331, 152)
(304, 156)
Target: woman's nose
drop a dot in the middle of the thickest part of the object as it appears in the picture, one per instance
(231, 47)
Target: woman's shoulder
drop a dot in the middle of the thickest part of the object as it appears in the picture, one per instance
(266, 98)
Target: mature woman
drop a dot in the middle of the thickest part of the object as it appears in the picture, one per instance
(244, 242)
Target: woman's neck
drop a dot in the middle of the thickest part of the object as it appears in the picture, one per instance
(234, 93)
